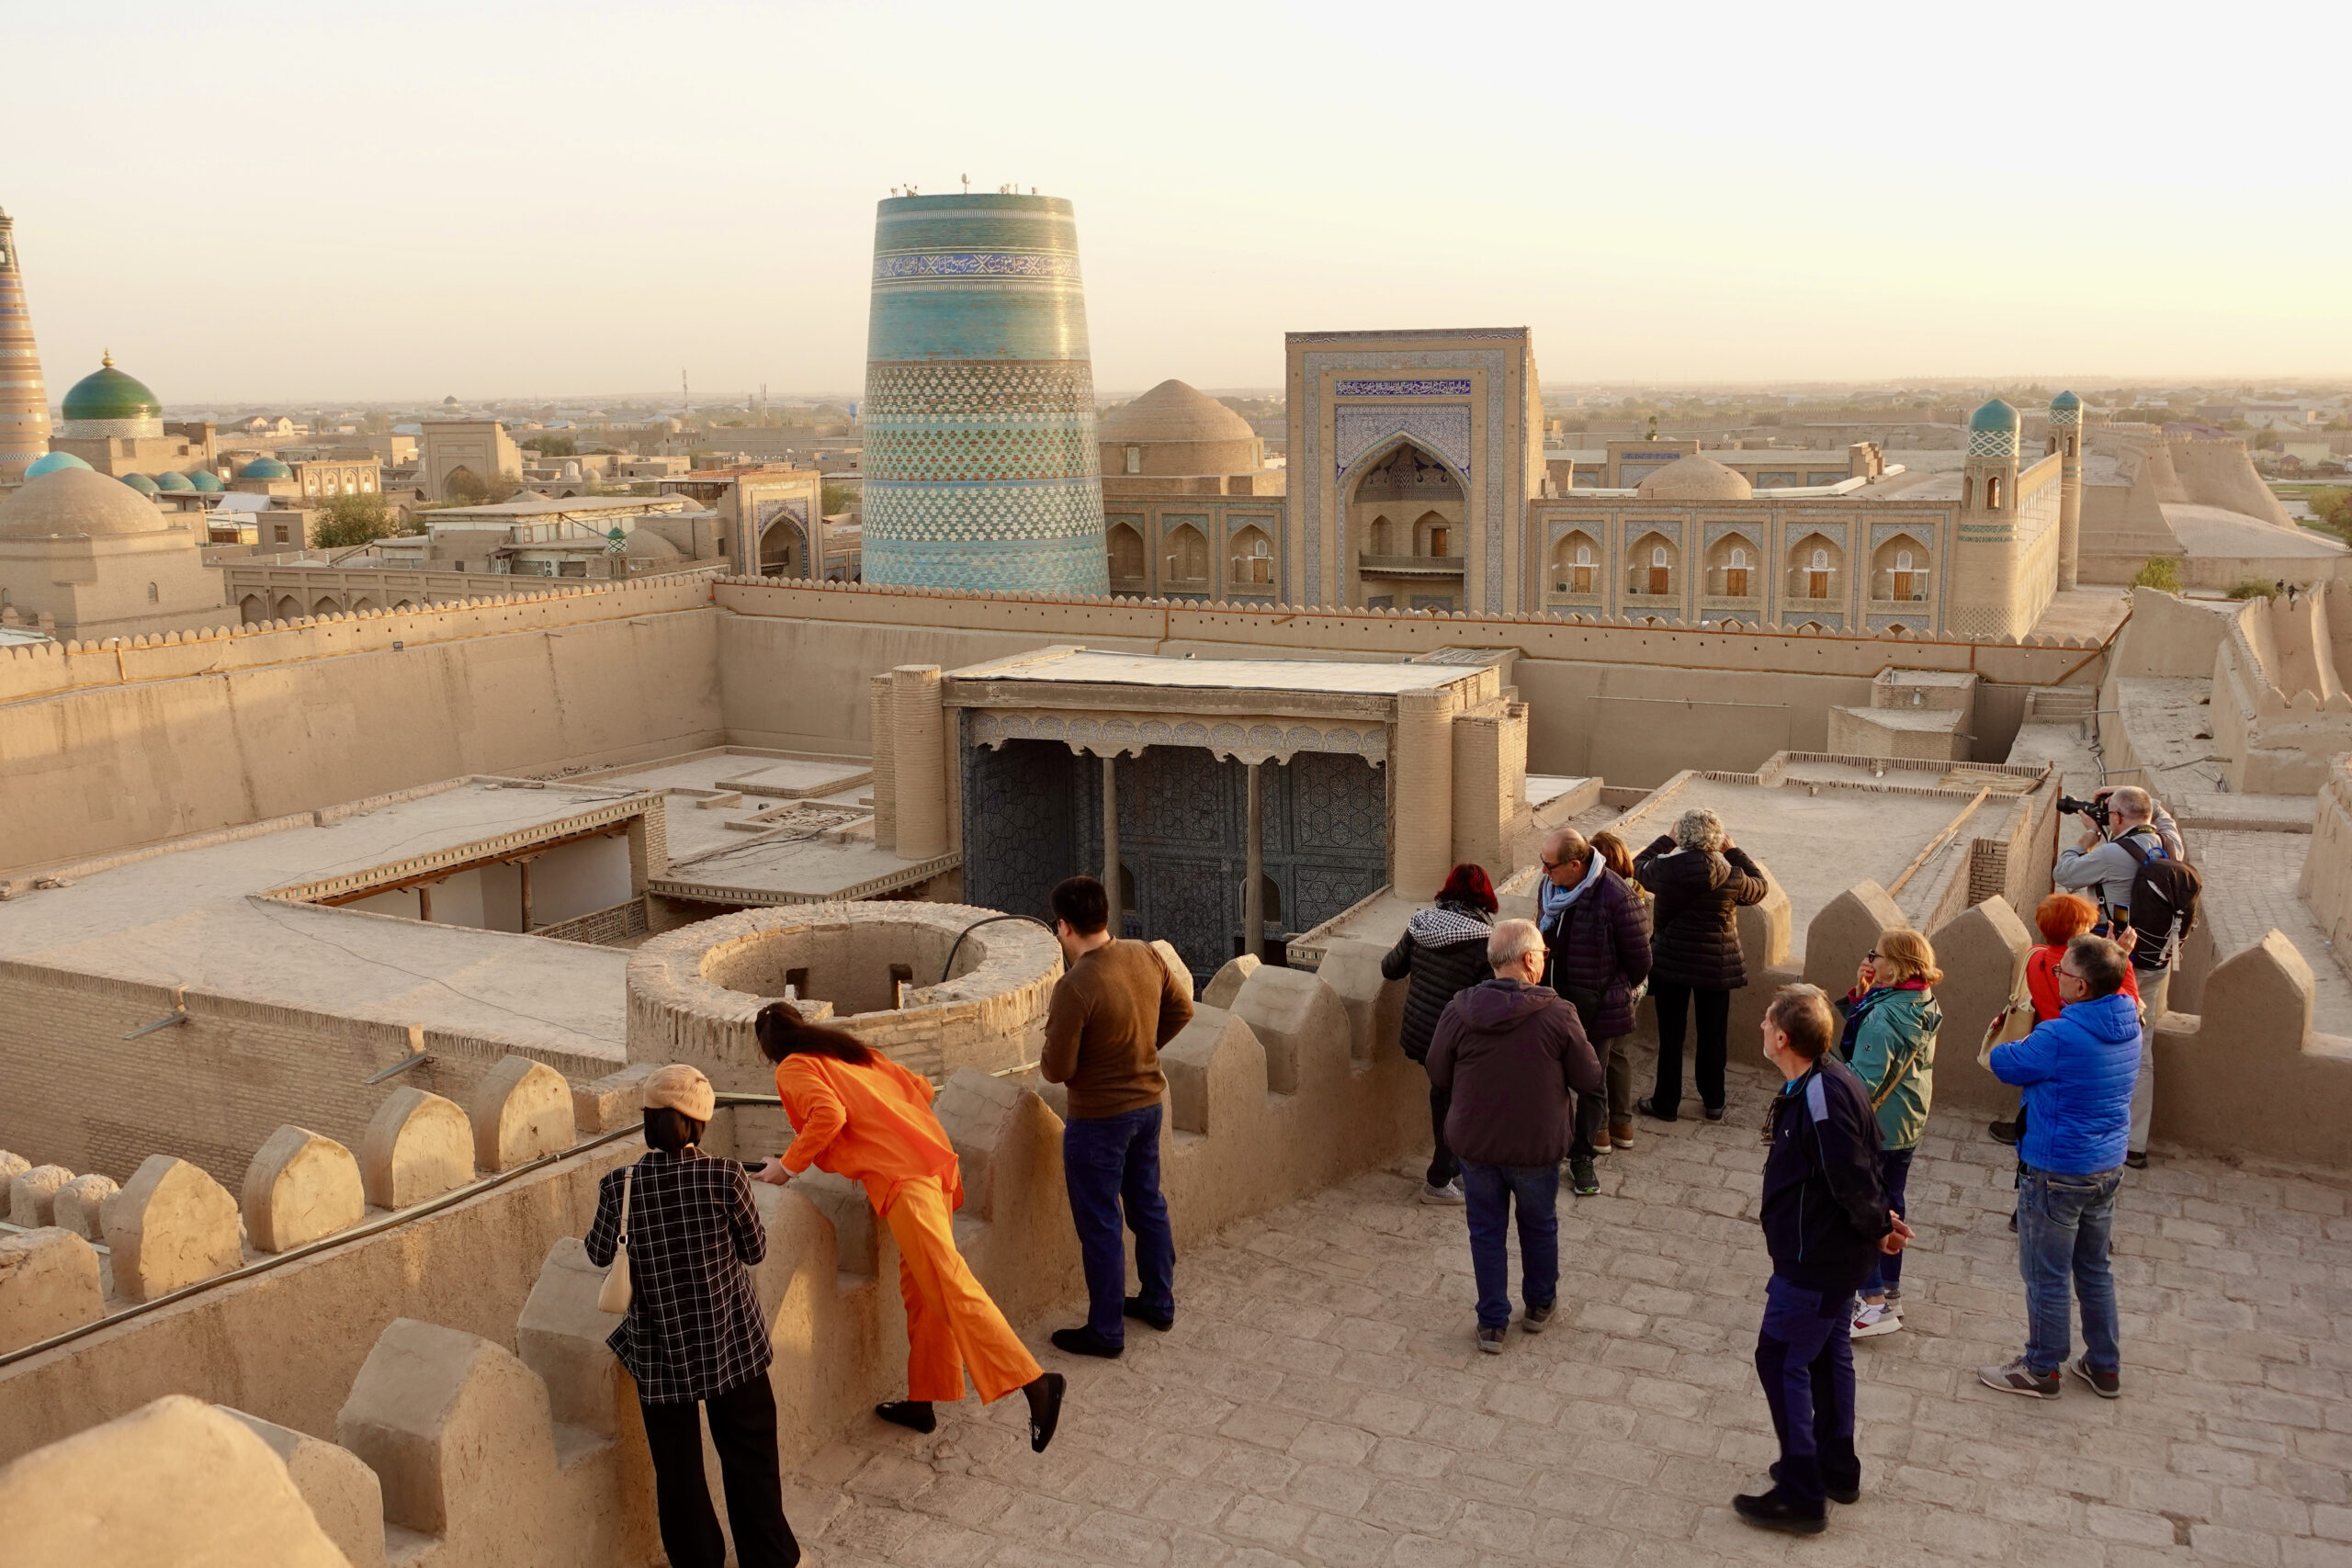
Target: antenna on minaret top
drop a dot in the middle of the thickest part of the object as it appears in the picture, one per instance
(967, 183)
(685, 392)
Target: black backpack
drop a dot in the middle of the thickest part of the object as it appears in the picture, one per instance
(2164, 900)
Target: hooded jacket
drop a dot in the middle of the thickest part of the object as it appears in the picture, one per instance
(1510, 1054)
(1825, 1208)
(1599, 945)
(1444, 952)
(1892, 1032)
(2077, 1072)
(1695, 936)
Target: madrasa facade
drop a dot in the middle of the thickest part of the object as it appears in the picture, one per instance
(1415, 475)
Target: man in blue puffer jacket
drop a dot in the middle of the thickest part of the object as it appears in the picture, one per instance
(2077, 1071)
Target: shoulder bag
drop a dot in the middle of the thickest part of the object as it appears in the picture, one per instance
(614, 1294)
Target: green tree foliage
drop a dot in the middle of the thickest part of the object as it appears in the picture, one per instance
(2159, 571)
(551, 446)
(357, 519)
(837, 498)
(2253, 588)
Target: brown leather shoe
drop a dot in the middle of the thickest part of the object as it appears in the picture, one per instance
(1621, 1133)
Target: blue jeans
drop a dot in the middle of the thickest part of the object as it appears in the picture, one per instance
(1805, 1362)
(1488, 1192)
(1894, 1175)
(1112, 1163)
(2065, 1223)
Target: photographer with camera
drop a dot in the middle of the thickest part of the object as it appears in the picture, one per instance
(2132, 854)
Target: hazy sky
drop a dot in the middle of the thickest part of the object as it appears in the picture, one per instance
(497, 199)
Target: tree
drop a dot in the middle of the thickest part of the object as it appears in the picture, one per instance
(353, 519)
(2159, 571)
(465, 487)
(837, 498)
(553, 446)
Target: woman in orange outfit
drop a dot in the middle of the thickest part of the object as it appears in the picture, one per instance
(859, 1114)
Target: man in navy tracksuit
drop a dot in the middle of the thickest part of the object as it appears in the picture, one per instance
(1825, 1216)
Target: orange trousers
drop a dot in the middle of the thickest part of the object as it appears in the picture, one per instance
(951, 1323)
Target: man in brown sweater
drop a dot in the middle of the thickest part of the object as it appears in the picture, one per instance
(1115, 1007)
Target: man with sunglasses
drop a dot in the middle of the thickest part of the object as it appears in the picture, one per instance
(2077, 1070)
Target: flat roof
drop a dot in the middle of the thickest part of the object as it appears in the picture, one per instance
(1229, 674)
(2217, 531)
(187, 914)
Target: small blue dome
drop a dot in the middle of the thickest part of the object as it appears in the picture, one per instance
(49, 463)
(170, 481)
(206, 480)
(1996, 418)
(2065, 401)
(140, 483)
(271, 468)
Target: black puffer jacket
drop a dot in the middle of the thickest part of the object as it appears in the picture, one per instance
(1694, 937)
(1444, 951)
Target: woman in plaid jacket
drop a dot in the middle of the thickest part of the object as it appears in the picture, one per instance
(694, 1337)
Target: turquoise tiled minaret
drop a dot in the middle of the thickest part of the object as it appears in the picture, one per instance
(981, 469)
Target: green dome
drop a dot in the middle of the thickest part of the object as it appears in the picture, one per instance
(140, 483)
(1996, 418)
(107, 393)
(264, 468)
(206, 480)
(169, 481)
(49, 463)
(2065, 401)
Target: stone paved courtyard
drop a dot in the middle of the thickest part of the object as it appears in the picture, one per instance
(1320, 1400)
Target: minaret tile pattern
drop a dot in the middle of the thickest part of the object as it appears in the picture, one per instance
(981, 469)
(24, 401)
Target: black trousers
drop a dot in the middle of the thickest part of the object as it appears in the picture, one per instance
(1444, 1166)
(1713, 1010)
(743, 1429)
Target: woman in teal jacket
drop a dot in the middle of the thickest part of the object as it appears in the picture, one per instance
(1892, 1017)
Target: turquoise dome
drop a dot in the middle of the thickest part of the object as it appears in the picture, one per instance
(264, 468)
(170, 481)
(1996, 418)
(140, 483)
(206, 480)
(106, 393)
(2065, 401)
(51, 462)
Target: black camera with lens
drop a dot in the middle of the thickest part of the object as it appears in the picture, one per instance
(2095, 809)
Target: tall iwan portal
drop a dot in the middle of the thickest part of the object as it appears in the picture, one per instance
(982, 470)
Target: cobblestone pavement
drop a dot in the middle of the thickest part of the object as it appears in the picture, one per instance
(2252, 882)
(1320, 1400)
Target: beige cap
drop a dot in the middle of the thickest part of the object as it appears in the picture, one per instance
(680, 1088)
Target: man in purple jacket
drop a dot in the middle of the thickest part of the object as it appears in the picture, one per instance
(1510, 1052)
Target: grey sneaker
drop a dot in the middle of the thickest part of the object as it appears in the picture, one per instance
(2016, 1377)
(1490, 1340)
(1535, 1320)
(2107, 1385)
(1451, 1193)
(1582, 1179)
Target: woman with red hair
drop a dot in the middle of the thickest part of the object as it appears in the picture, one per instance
(1444, 951)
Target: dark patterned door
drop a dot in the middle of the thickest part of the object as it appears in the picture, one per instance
(1024, 823)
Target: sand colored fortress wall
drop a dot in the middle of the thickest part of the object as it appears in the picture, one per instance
(2217, 471)
(1296, 1085)
(2280, 708)
(284, 1343)
(110, 747)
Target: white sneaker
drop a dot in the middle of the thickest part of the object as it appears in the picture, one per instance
(1871, 1320)
(1450, 1194)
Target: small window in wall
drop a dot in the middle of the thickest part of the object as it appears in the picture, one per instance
(1817, 577)
(1907, 581)
(281, 534)
(1581, 574)
(1992, 493)
(1135, 459)
(152, 596)
(1735, 574)
(1660, 574)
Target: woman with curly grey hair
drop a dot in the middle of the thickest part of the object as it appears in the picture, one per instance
(1698, 878)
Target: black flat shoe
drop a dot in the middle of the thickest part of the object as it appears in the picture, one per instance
(1084, 1341)
(1134, 1309)
(1849, 1496)
(1714, 1113)
(2004, 1133)
(1044, 1409)
(1773, 1512)
(1648, 1108)
(915, 1414)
